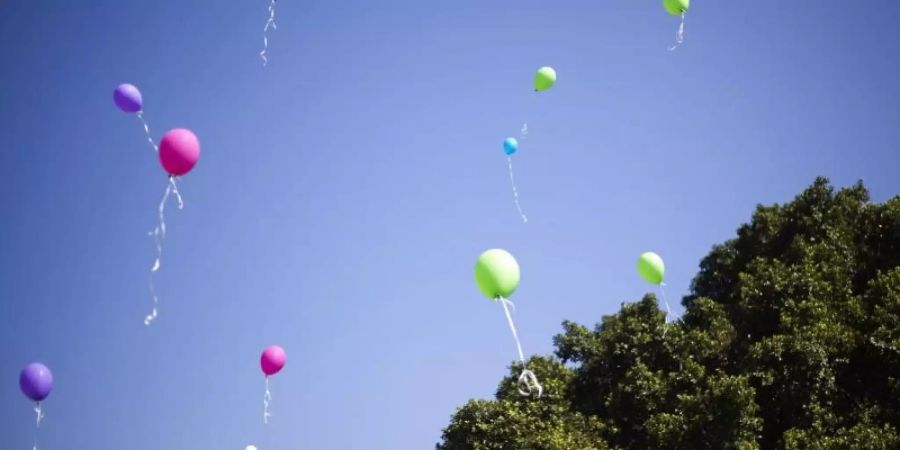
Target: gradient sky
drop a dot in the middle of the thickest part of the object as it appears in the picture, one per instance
(345, 191)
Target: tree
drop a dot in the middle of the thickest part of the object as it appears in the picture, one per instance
(790, 340)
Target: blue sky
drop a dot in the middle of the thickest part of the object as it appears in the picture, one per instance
(344, 192)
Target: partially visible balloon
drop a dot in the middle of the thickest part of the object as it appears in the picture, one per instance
(510, 145)
(544, 79)
(128, 98)
(497, 273)
(250, 447)
(272, 360)
(179, 151)
(651, 268)
(677, 7)
(36, 381)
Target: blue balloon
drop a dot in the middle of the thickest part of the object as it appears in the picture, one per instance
(510, 145)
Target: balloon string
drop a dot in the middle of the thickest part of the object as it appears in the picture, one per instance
(512, 181)
(528, 382)
(175, 191)
(269, 23)
(159, 236)
(153, 313)
(507, 304)
(140, 115)
(267, 398)
(530, 109)
(40, 415)
(39, 412)
(679, 35)
(662, 289)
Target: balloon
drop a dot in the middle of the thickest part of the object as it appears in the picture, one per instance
(677, 7)
(510, 145)
(497, 273)
(179, 151)
(36, 381)
(128, 98)
(651, 268)
(544, 79)
(272, 360)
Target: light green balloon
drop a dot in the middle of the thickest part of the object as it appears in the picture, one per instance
(544, 79)
(677, 7)
(651, 268)
(497, 273)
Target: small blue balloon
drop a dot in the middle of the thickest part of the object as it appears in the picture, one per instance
(510, 145)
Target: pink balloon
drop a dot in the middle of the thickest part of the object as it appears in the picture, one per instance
(272, 360)
(179, 151)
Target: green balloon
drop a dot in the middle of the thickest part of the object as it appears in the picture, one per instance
(677, 7)
(651, 268)
(497, 273)
(544, 79)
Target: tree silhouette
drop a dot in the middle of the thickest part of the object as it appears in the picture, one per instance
(790, 340)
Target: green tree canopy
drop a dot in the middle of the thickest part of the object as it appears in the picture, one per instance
(790, 340)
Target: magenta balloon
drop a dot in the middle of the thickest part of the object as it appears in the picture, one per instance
(179, 151)
(128, 98)
(272, 360)
(36, 381)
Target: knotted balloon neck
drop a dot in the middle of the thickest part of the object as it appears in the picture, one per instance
(527, 383)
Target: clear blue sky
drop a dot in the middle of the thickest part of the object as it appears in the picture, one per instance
(345, 190)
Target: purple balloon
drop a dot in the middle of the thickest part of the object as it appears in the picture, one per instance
(128, 98)
(36, 381)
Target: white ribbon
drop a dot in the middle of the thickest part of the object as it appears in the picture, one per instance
(269, 23)
(512, 181)
(140, 115)
(679, 35)
(662, 289)
(40, 416)
(159, 236)
(267, 398)
(669, 315)
(39, 413)
(528, 382)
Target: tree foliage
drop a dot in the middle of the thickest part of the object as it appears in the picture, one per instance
(790, 340)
